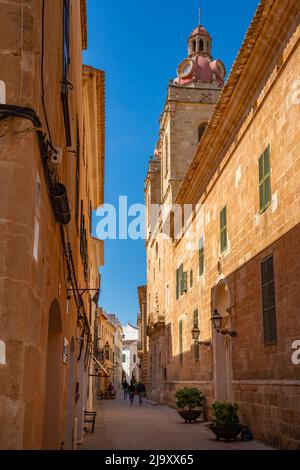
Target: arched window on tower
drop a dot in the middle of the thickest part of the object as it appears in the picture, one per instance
(194, 46)
(201, 130)
(201, 45)
(166, 155)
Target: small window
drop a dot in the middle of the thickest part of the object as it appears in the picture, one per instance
(201, 256)
(201, 45)
(223, 229)
(268, 301)
(134, 358)
(194, 46)
(123, 357)
(201, 130)
(264, 180)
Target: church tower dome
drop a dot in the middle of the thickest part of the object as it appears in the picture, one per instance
(199, 67)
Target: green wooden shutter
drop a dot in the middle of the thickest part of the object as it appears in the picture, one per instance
(268, 301)
(177, 283)
(201, 256)
(223, 229)
(181, 279)
(264, 180)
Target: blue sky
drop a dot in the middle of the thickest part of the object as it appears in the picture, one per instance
(139, 44)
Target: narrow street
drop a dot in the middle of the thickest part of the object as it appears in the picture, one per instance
(152, 427)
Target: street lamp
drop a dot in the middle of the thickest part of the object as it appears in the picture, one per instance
(195, 335)
(217, 321)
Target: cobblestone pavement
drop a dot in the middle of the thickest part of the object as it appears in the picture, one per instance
(120, 426)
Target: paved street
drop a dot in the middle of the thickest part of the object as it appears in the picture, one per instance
(152, 427)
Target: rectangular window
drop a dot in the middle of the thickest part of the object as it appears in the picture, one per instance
(65, 72)
(191, 278)
(268, 301)
(181, 281)
(223, 229)
(264, 180)
(134, 358)
(201, 256)
(180, 343)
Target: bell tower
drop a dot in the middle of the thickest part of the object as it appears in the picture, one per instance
(190, 102)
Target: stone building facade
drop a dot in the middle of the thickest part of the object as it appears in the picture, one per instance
(50, 177)
(237, 255)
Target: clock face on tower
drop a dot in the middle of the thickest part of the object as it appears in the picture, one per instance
(185, 68)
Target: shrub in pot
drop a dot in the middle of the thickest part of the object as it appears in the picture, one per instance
(190, 403)
(225, 421)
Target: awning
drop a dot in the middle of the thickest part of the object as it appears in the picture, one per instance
(99, 364)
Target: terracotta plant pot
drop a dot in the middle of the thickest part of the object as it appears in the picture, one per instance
(189, 416)
(228, 433)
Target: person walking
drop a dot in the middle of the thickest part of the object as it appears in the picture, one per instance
(141, 392)
(131, 390)
(125, 386)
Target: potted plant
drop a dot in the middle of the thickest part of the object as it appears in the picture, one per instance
(225, 421)
(190, 403)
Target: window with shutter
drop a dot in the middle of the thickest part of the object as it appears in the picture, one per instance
(177, 283)
(180, 342)
(201, 256)
(223, 229)
(268, 301)
(264, 180)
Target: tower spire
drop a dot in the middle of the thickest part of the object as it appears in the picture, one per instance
(199, 15)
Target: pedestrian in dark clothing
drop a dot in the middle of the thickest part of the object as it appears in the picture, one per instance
(141, 392)
(125, 386)
(131, 393)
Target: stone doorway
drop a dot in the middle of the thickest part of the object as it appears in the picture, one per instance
(222, 344)
(53, 392)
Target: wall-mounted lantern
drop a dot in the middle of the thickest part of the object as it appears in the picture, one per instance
(195, 335)
(217, 321)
